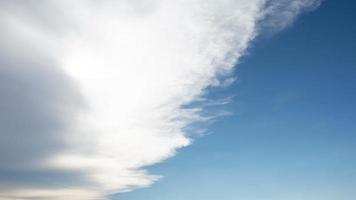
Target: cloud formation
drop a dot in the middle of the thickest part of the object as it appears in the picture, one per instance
(92, 92)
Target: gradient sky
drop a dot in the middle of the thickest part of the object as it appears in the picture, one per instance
(136, 100)
(292, 134)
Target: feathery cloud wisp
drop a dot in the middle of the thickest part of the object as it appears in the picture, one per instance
(92, 92)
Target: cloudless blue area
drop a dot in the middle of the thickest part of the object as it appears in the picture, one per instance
(293, 132)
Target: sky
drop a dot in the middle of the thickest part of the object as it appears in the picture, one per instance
(191, 99)
(292, 134)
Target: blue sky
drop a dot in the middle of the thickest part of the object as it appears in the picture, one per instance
(292, 135)
(110, 99)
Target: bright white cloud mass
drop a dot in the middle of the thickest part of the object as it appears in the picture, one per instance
(94, 91)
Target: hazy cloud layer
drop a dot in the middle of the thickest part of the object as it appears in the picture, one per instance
(92, 92)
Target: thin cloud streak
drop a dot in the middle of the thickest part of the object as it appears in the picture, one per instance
(110, 83)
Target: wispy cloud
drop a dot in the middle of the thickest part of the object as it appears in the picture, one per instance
(92, 92)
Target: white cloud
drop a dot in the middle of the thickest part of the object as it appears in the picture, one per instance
(135, 65)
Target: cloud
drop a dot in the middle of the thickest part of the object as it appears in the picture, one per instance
(277, 15)
(92, 92)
